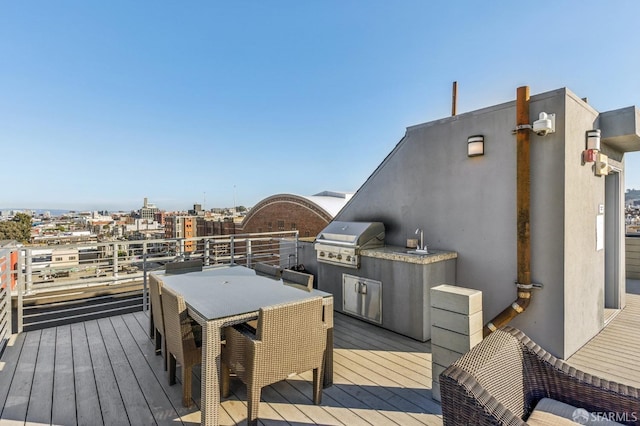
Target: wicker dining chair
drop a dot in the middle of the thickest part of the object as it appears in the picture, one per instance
(297, 279)
(290, 338)
(183, 267)
(157, 318)
(266, 270)
(509, 380)
(181, 344)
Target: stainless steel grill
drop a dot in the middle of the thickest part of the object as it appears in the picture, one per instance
(340, 242)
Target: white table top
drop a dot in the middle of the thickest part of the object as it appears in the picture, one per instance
(231, 290)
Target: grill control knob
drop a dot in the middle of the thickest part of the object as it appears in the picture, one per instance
(330, 255)
(348, 258)
(339, 257)
(321, 254)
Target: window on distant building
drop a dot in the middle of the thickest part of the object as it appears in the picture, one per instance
(281, 225)
(72, 258)
(293, 226)
(58, 259)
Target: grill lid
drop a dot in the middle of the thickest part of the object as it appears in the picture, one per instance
(355, 234)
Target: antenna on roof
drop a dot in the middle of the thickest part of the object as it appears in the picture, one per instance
(454, 98)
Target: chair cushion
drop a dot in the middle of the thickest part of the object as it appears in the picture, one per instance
(549, 412)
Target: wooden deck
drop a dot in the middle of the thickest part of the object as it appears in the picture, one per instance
(613, 353)
(105, 372)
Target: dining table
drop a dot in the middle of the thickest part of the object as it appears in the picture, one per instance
(223, 296)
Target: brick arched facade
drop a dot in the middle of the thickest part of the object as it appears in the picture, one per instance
(286, 212)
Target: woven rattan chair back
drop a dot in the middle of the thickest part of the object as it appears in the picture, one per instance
(181, 345)
(297, 279)
(291, 338)
(266, 270)
(499, 368)
(156, 318)
(183, 267)
(503, 378)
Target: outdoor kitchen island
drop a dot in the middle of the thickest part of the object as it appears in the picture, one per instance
(391, 287)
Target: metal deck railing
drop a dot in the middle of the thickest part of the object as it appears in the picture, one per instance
(57, 284)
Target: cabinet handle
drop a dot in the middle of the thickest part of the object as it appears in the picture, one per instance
(363, 289)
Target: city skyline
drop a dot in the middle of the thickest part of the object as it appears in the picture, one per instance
(226, 104)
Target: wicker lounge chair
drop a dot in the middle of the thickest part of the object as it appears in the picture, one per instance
(267, 270)
(508, 380)
(156, 318)
(181, 344)
(297, 279)
(291, 338)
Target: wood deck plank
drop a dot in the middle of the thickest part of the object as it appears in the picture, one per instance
(407, 395)
(111, 403)
(270, 400)
(87, 401)
(134, 400)
(316, 413)
(381, 378)
(40, 399)
(612, 354)
(138, 324)
(365, 335)
(414, 360)
(335, 407)
(17, 402)
(8, 366)
(159, 404)
(421, 376)
(64, 395)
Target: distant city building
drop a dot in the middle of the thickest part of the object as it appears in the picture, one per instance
(197, 210)
(148, 210)
(159, 217)
(181, 227)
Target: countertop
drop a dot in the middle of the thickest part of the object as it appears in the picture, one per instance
(400, 254)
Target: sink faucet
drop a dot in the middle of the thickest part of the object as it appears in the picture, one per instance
(421, 246)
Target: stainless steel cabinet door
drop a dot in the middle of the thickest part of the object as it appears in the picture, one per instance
(362, 297)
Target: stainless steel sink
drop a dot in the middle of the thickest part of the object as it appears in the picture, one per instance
(416, 252)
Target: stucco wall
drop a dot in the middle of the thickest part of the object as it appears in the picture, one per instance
(584, 266)
(469, 205)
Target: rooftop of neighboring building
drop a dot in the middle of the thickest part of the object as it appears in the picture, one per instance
(330, 201)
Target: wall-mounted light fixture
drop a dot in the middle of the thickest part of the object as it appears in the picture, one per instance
(593, 139)
(475, 145)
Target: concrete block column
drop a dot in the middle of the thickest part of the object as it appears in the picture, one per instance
(456, 327)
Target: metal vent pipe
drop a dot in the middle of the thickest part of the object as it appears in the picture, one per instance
(523, 203)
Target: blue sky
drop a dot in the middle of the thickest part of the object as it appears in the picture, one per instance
(105, 103)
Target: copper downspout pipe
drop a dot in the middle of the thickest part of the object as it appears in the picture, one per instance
(523, 198)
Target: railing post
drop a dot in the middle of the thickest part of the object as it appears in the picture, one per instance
(28, 269)
(6, 276)
(248, 244)
(20, 291)
(115, 260)
(206, 252)
(232, 247)
(297, 247)
(144, 279)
